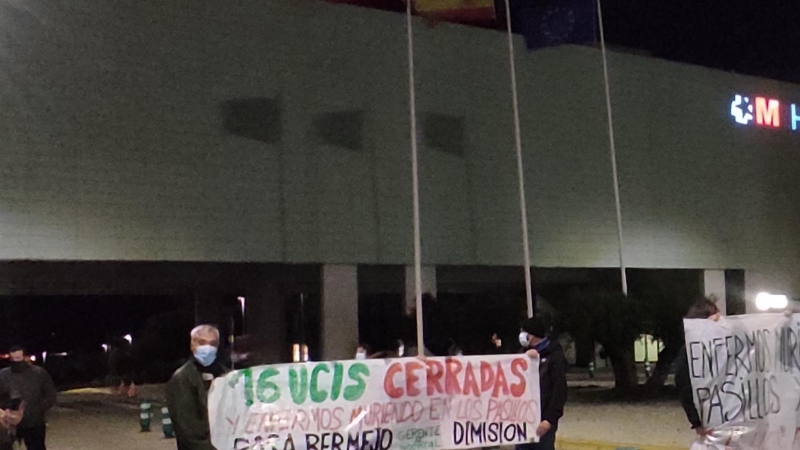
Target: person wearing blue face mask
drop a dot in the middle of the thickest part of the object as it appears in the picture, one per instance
(187, 390)
(552, 380)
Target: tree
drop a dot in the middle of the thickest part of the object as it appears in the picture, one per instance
(664, 313)
(614, 320)
(668, 295)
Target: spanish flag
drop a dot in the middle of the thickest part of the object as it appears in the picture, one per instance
(463, 11)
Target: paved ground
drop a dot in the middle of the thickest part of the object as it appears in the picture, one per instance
(95, 420)
(658, 423)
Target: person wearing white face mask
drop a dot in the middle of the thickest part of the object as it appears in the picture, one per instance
(552, 380)
(362, 352)
(187, 390)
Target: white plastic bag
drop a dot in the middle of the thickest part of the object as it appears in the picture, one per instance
(709, 444)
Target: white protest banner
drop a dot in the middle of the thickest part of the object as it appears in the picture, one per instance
(745, 373)
(393, 404)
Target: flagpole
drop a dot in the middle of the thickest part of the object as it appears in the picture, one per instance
(612, 146)
(523, 210)
(415, 180)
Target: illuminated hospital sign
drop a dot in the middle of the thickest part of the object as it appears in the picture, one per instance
(765, 112)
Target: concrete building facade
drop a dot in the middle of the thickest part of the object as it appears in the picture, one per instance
(276, 133)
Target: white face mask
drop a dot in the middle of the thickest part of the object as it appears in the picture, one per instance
(361, 355)
(524, 339)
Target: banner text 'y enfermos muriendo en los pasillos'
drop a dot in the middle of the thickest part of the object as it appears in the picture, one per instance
(393, 404)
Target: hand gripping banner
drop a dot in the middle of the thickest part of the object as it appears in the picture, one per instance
(393, 404)
(745, 374)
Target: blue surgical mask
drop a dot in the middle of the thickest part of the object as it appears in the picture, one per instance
(542, 345)
(524, 339)
(205, 355)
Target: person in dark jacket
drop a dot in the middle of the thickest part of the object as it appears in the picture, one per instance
(552, 380)
(123, 365)
(32, 386)
(11, 412)
(187, 391)
(702, 309)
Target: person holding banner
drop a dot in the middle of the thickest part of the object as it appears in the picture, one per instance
(11, 412)
(552, 380)
(702, 309)
(187, 390)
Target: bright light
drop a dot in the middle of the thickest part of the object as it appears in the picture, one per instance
(766, 301)
(299, 353)
(742, 110)
(242, 302)
(105, 347)
(128, 338)
(33, 358)
(44, 356)
(295, 352)
(768, 112)
(765, 111)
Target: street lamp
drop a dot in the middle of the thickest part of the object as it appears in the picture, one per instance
(128, 338)
(242, 302)
(105, 347)
(766, 301)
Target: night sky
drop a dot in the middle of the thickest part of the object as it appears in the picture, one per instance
(754, 37)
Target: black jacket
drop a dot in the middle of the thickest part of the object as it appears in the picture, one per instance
(684, 384)
(187, 400)
(553, 382)
(34, 386)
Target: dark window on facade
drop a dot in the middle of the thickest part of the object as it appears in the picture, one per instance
(343, 129)
(444, 133)
(253, 118)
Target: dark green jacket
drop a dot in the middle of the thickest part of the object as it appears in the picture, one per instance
(187, 400)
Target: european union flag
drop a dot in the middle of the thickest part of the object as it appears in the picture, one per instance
(547, 23)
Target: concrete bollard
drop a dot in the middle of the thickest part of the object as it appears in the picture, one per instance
(145, 416)
(166, 424)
